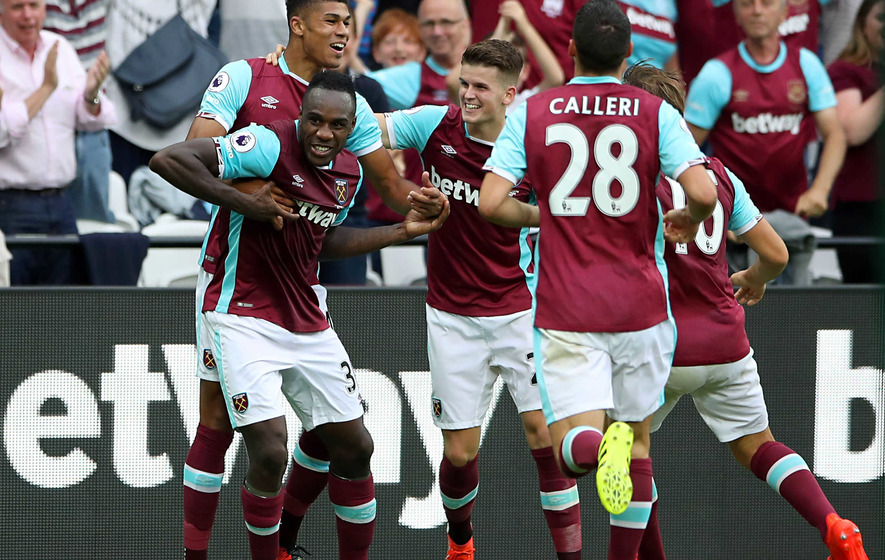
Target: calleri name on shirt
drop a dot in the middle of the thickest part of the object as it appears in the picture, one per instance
(595, 105)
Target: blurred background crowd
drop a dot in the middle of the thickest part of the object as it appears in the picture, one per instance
(75, 138)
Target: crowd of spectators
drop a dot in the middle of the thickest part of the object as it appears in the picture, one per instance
(760, 98)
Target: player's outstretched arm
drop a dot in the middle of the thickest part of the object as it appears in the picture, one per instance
(497, 206)
(681, 226)
(192, 167)
(345, 242)
(394, 189)
(773, 257)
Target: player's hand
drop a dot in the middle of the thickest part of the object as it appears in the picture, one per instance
(416, 224)
(750, 290)
(811, 204)
(50, 68)
(275, 56)
(252, 186)
(96, 75)
(261, 206)
(679, 227)
(429, 200)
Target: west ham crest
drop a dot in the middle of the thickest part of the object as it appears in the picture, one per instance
(437, 407)
(208, 359)
(796, 92)
(341, 190)
(240, 402)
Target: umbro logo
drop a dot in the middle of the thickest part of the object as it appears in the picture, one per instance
(270, 102)
(448, 150)
(297, 181)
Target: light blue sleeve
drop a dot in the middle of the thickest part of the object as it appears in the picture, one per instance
(708, 94)
(744, 215)
(412, 128)
(343, 214)
(401, 83)
(366, 135)
(508, 156)
(226, 93)
(820, 89)
(676, 145)
(718, 3)
(249, 152)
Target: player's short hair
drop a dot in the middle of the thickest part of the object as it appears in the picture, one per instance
(495, 53)
(333, 81)
(666, 85)
(395, 19)
(601, 35)
(298, 7)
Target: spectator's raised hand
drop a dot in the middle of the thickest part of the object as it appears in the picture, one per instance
(97, 74)
(50, 69)
(513, 10)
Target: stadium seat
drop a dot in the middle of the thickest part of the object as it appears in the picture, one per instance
(403, 265)
(125, 222)
(824, 267)
(164, 267)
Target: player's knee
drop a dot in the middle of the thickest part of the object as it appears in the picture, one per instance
(213, 412)
(537, 436)
(459, 456)
(269, 459)
(353, 453)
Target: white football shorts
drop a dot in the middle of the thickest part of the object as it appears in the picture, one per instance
(728, 397)
(467, 354)
(622, 373)
(205, 359)
(256, 360)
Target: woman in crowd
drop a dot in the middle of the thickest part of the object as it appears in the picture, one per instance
(856, 197)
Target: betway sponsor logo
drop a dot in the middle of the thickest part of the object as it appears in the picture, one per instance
(459, 190)
(315, 213)
(650, 22)
(120, 409)
(766, 123)
(792, 25)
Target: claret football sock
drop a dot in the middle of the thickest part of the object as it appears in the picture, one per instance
(628, 528)
(652, 546)
(580, 451)
(459, 486)
(354, 503)
(788, 474)
(561, 505)
(307, 478)
(203, 475)
(262, 516)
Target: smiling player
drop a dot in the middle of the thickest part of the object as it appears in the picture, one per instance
(478, 298)
(261, 312)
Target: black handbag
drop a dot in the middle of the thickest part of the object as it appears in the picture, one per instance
(164, 78)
